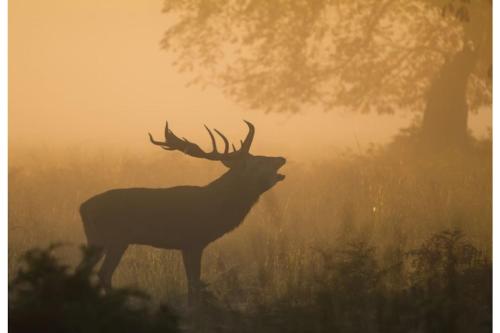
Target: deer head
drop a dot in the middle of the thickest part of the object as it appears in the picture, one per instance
(259, 172)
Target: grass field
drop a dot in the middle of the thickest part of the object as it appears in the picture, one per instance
(373, 209)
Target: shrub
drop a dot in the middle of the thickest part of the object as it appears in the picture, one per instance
(46, 296)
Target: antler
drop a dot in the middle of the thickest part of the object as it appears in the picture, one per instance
(172, 142)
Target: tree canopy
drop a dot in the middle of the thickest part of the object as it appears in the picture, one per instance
(370, 55)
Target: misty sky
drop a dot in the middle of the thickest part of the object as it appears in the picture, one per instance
(92, 72)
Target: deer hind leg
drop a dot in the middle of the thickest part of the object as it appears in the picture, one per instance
(90, 261)
(192, 265)
(113, 255)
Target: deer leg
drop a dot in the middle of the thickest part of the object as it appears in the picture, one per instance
(92, 259)
(192, 265)
(111, 260)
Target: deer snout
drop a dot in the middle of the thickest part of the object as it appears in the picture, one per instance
(281, 161)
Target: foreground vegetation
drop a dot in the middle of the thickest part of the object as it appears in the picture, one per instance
(443, 286)
(386, 242)
(46, 296)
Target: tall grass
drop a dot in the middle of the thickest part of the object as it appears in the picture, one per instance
(392, 201)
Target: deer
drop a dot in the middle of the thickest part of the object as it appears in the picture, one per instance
(185, 218)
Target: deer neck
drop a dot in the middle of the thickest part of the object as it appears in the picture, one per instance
(234, 187)
(234, 194)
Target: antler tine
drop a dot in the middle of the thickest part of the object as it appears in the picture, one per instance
(165, 145)
(166, 131)
(226, 141)
(245, 145)
(234, 148)
(153, 141)
(214, 143)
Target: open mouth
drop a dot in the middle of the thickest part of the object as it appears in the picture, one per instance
(279, 176)
(280, 162)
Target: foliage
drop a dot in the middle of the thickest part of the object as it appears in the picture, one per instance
(365, 55)
(45, 296)
(353, 293)
(445, 287)
(452, 283)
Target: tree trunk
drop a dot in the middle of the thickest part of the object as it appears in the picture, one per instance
(445, 116)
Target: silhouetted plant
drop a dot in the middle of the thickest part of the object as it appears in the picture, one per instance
(214, 314)
(46, 296)
(451, 283)
(348, 288)
(447, 289)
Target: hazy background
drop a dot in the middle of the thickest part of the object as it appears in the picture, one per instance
(367, 239)
(92, 73)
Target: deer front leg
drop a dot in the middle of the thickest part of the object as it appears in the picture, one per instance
(192, 265)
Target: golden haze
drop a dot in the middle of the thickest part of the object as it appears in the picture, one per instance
(91, 73)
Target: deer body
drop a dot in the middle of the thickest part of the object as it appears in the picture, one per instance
(170, 218)
(186, 218)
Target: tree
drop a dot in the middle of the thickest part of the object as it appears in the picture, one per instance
(432, 56)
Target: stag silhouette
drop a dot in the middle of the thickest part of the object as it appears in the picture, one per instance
(186, 218)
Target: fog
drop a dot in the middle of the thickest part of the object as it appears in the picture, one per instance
(378, 221)
(92, 73)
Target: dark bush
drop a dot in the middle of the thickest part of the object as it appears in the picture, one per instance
(445, 286)
(46, 296)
